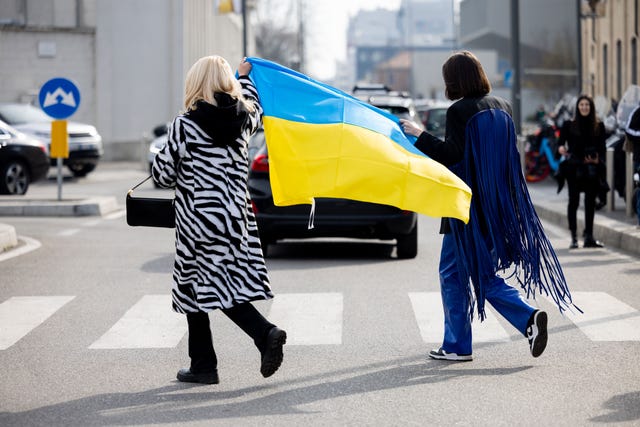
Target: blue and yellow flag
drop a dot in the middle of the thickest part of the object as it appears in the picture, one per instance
(325, 143)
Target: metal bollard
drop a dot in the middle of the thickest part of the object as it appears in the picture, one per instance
(610, 174)
(628, 184)
(521, 142)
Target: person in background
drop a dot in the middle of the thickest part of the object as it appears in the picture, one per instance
(632, 145)
(472, 254)
(219, 262)
(582, 142)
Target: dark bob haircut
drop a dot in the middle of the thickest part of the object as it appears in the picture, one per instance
(464, 77)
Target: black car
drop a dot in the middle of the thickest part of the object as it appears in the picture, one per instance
(23, 160)
(85, 143)
(333, 217)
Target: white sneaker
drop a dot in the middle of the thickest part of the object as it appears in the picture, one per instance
(440, 354)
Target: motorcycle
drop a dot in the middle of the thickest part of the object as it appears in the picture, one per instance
(540, 157)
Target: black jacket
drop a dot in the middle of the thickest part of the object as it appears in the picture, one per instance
(581, 176)
(451, 151)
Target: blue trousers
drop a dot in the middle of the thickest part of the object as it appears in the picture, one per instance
(457, 324)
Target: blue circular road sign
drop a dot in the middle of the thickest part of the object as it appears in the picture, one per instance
(59, 98)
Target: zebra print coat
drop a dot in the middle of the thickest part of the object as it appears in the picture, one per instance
(218, 260)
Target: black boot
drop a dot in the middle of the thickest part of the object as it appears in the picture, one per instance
(186, 376)
(590, 242)
(574, 241)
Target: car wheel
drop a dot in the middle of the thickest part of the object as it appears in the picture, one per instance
(80, 170)
(14, 177)
(407, 244)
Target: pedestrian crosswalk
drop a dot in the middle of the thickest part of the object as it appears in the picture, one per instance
(20, 315)
(160, 326)
(309, 318)
(427, 309)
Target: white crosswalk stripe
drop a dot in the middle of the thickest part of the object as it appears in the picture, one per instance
(309, 319)
(20, 315)
(427, 309)
(605, 318)
(150, 323)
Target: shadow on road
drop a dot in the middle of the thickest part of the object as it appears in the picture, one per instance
(179, 402)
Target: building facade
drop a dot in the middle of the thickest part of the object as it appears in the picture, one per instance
(128, 58)
(609, 45)
(40, 40)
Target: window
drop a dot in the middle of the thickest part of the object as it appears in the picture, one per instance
(605, 71)
(619, 69)
(634, 61)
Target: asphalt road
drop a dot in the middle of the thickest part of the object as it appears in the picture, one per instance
(360, 324)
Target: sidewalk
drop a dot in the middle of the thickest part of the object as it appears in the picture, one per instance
(615, 229)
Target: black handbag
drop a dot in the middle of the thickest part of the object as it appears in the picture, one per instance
(150, 211)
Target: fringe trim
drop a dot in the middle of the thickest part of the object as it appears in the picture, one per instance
(504, 233)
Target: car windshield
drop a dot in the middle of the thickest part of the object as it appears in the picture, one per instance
(17, 114)
(396, 110)
(436, 119)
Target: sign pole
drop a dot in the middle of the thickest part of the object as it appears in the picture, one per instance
(59, 99)
(59, 148)
(59, 162)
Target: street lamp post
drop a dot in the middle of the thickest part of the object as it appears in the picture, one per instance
(515, 64)
(244, 28)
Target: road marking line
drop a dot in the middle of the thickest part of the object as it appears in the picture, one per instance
(149, 323)
(29, 245)
(68, 232)
(309, 319)
(605, 318)
(427, 309)
(20, 315)
(115, 215)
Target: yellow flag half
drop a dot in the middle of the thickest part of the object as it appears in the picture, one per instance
(323, 142)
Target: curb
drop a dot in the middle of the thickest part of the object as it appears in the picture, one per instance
(612, 233)
(8, 237)
(93, 206)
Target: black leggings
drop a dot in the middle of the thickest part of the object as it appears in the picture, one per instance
(589, 209)
(201, 352)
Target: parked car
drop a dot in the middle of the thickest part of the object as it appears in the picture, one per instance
(433, 116)
(23, 160)
(85, 144)
(333, 217)
(397, 103)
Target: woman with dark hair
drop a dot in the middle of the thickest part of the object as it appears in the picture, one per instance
(582, 141)
(503, 230)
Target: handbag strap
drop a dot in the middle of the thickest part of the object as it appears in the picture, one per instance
(138, 185)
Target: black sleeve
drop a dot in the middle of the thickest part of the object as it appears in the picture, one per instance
(601, 142)
(451, 150)
(564, 135)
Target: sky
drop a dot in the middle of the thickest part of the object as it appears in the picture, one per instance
(326, 27)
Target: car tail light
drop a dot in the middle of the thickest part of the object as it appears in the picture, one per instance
(260, 163)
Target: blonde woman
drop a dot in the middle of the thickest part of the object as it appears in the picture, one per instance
(219, 262)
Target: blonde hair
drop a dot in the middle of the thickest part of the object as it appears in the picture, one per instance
(210, 75)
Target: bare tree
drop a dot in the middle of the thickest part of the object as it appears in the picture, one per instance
(275, 28)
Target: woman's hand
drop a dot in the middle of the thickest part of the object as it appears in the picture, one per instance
(410, 128)
(244, 68)
(594, 159)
